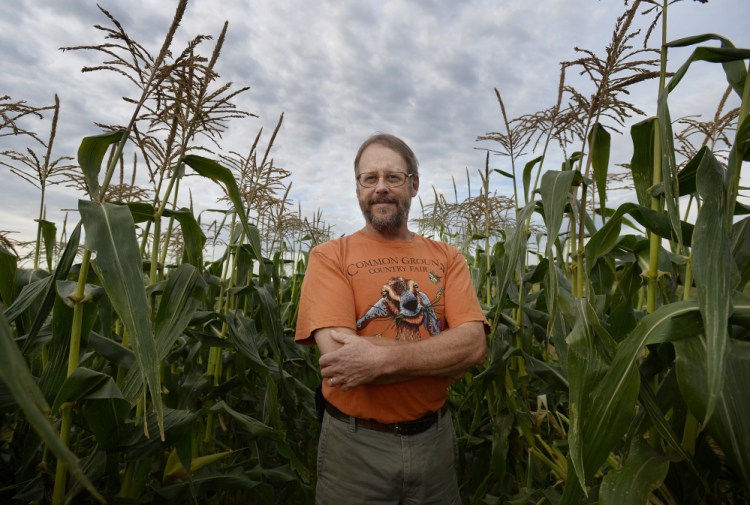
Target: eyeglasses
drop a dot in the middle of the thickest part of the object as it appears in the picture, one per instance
(392, 179)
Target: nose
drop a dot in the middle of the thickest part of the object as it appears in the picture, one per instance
(381, 186)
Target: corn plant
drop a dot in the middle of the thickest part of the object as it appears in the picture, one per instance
(137, 368)
(620, 380)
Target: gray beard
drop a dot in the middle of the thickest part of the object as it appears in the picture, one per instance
(386, 225)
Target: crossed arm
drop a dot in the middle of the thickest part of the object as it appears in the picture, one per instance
(350, 360)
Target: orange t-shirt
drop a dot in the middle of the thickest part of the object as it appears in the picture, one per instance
(407, 291)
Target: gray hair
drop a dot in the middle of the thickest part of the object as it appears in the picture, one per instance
(391, 142)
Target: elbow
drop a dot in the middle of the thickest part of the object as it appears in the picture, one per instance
(481, 355)
(480, 351)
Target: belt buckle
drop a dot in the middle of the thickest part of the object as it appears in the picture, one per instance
(397, 429)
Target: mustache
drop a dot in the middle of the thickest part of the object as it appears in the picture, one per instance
(382, 200)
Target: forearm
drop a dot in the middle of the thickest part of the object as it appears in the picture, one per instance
(449, 353)
(353, 360)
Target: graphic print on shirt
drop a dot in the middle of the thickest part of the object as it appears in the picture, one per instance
(407, 306)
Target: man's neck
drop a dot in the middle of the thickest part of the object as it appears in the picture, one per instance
(401, 234)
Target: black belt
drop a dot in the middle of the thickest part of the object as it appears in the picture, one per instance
(404, 428)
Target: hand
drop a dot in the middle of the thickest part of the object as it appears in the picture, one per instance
(356, 362)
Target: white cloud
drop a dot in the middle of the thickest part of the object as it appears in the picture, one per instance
(339, 70)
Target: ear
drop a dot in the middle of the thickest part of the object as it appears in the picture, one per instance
(414, 186)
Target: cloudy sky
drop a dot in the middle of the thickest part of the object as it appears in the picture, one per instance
(340, 70)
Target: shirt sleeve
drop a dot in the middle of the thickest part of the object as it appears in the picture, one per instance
(326, 299)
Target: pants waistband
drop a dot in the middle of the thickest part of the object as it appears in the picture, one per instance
(402, 428)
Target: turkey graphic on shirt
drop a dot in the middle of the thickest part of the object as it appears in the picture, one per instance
(402, 301)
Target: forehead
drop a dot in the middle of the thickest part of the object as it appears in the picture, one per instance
(378, 157)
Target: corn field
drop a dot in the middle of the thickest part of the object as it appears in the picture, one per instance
(136, 370)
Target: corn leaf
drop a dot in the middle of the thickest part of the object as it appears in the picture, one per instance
(507, 266)
(8, 267)
(599, 140)
(180, 299)
(90, 155)
(113, 351)
(82, 382)
(605, 412)
(55, 372)
(22, 385)
(176, 492)
(716, 275)
(61, 272)
(249, 424)
(728, 425)
(49, 231)
(730, 58)
(642, 162)
(141, 211)
(555, 190)
(686, 176)
(193, 237)
(212, 170)
(244, 336)
(586, 368)
(110, 232)
(608, 235)
(643, 471)
(174, 468)
(527, 176)
(741, 250)
(31, 294)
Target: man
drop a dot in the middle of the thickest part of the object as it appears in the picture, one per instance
(396, 319)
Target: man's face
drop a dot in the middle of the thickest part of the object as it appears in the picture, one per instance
(385, 208)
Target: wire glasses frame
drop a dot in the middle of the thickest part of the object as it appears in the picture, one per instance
(392, 179)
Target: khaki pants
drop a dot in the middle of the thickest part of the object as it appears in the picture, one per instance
(363, 466)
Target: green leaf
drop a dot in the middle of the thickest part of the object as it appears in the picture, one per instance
(193, 237)
(608, 235)
(730, 58)
(49, 231)
(61, 272)
(8, 266)
(555, 190)
(642, 162)
(728, 425)
(504, 173)
(599, 140)
(82, 382)
(508, 265)
(686, 176)
(741, 250)
(180, 492)
(18, 379)
(106, 413)
(181, 297)
(527, 176)
(585, 368)
(141, 211)
(602, 404)
(110, 233)
(643, 471)
(113, 351)
(249, 424)
(212, 170)
(244, 336)
(716, 275)
(30, 294)
(90, 155)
